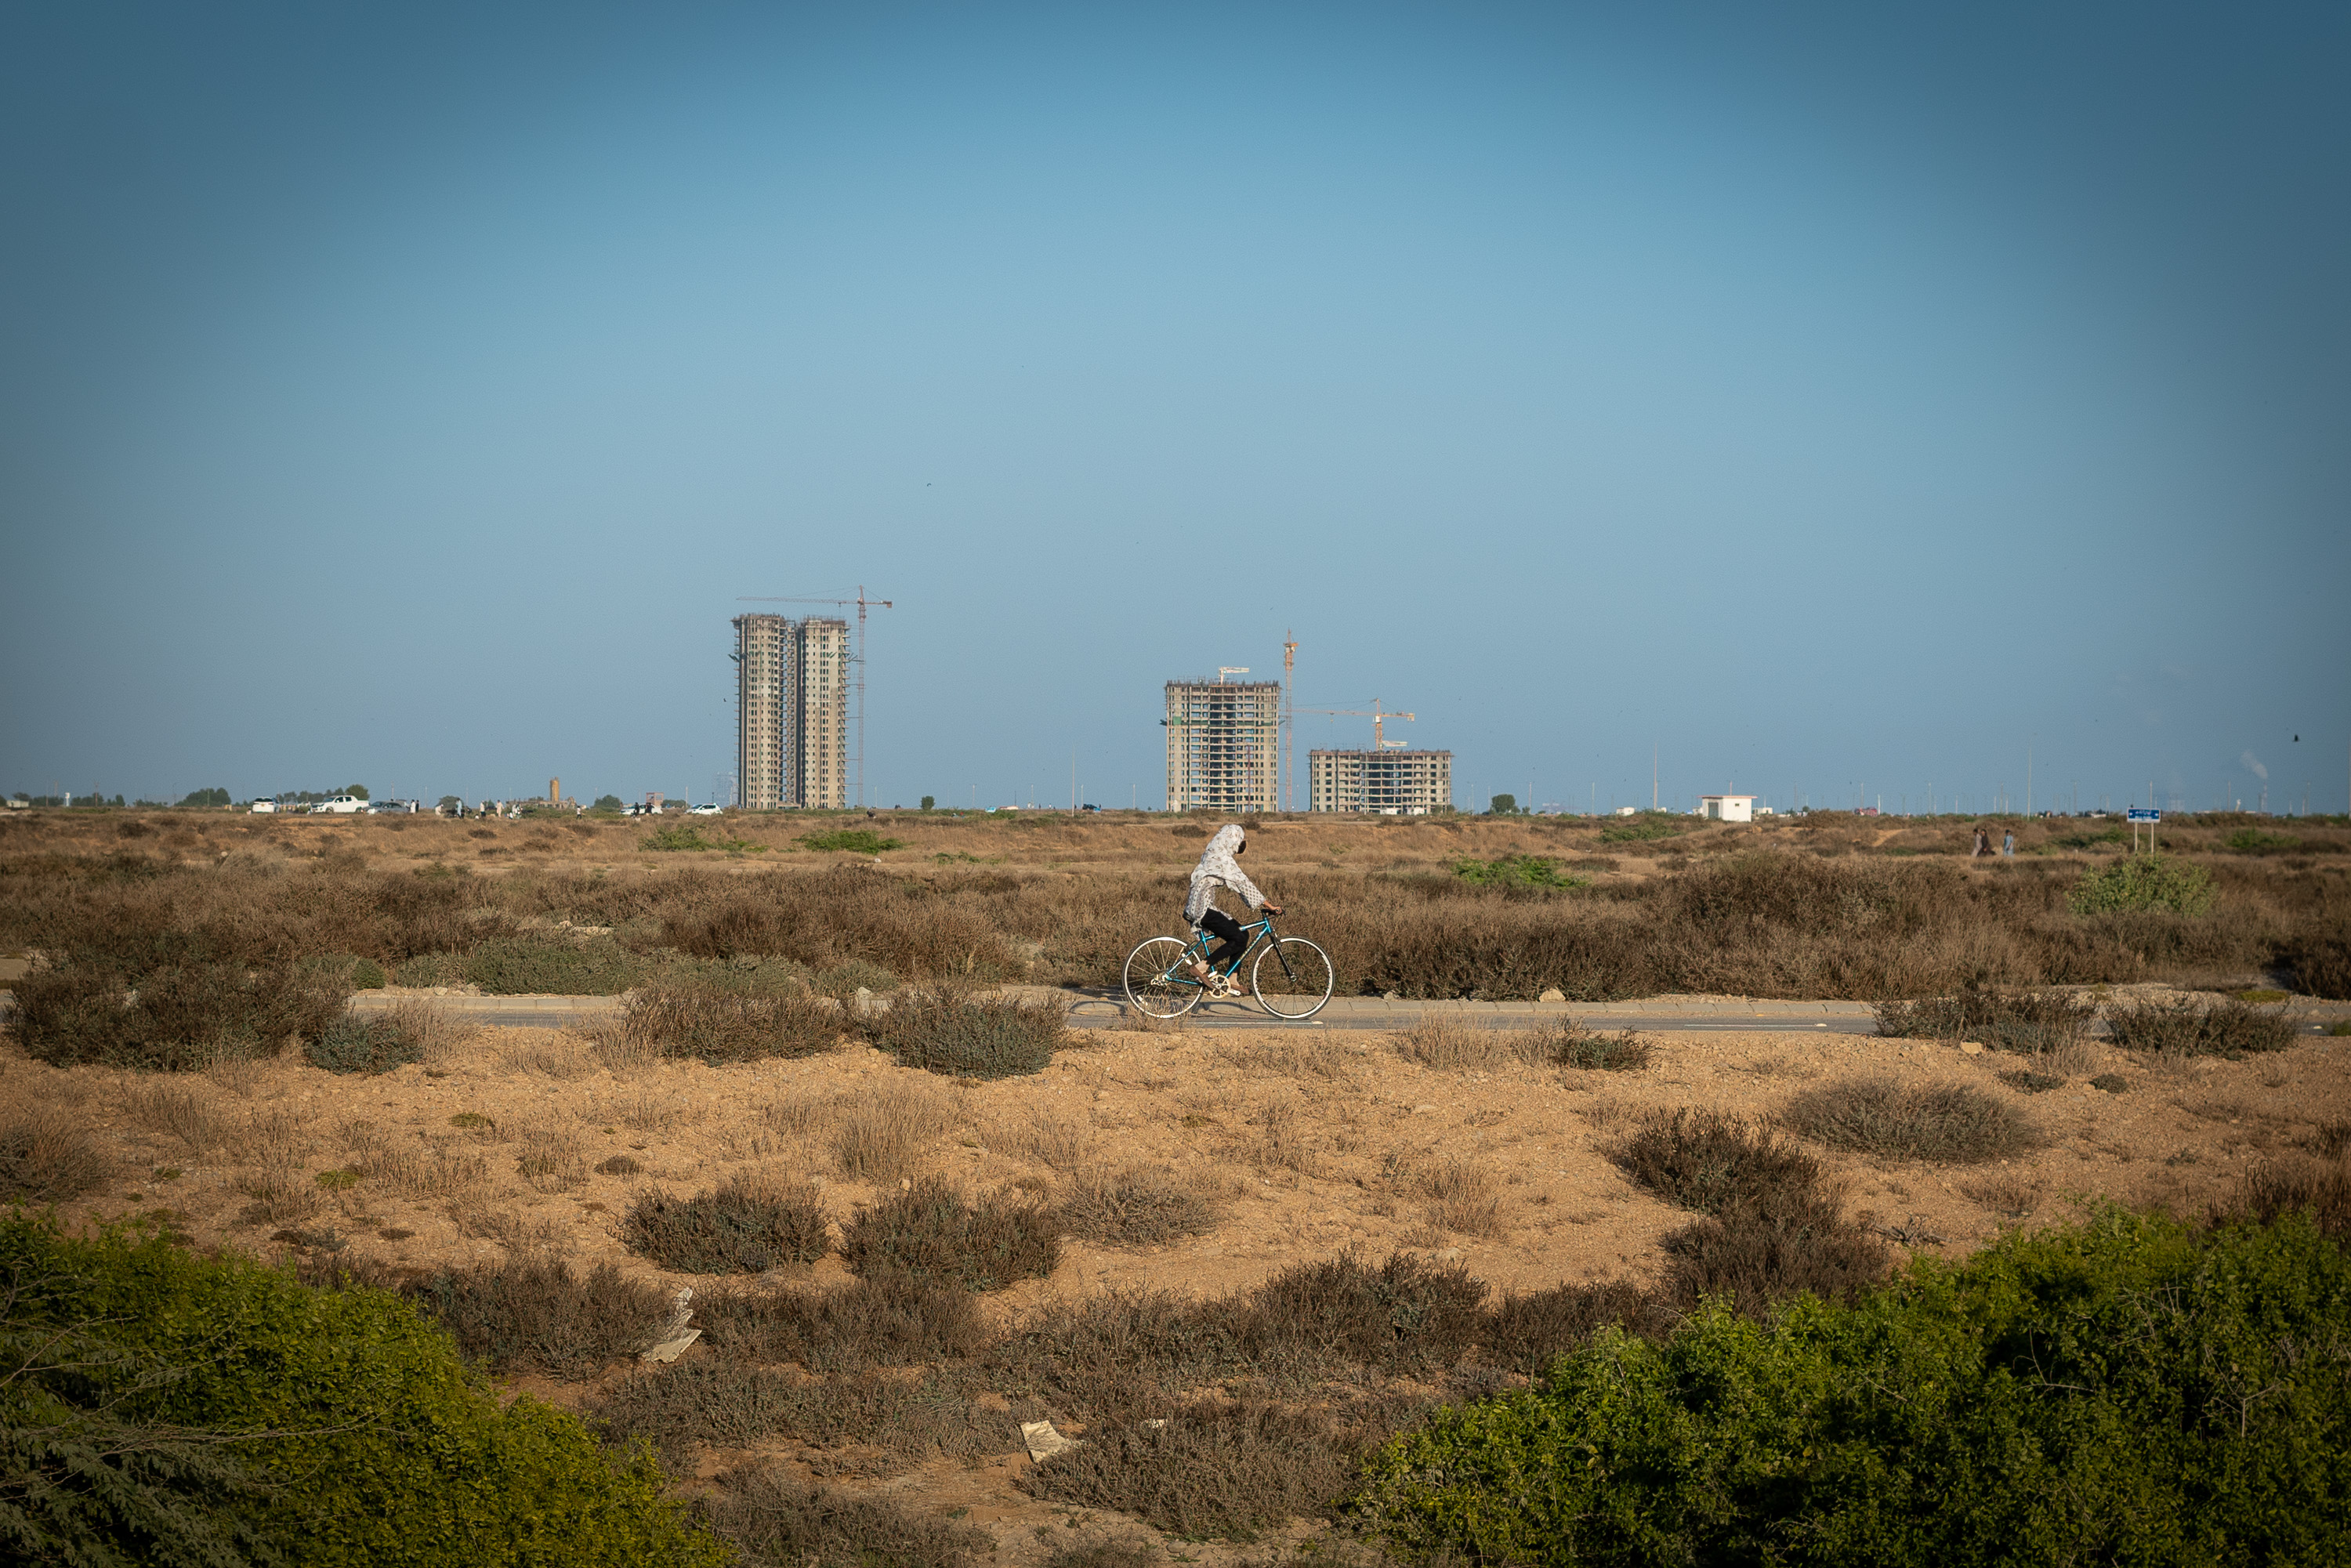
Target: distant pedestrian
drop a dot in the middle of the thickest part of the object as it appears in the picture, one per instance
(2008, 843)
(1983, 844)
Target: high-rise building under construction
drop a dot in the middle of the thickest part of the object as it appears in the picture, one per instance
(791, 692)
(1222, 752)
(1387, 782)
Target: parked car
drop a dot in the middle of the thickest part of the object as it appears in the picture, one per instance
(704, 811)
(265, 806)
(339, 805)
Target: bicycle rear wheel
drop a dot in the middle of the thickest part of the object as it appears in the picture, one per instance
(1292, 978)
(1156, 982)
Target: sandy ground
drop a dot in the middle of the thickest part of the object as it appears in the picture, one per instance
(1310, 1146)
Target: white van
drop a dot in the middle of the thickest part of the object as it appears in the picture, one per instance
(340, 805)
(265, 806)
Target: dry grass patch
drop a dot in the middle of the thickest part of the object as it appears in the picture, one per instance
(563, 1056)
(1462, 1195)
(2012, 1197)
(1134, 1209)
(1052, 1137)
(890, 1319)
(1281, 1142)
(930, 1231)
(746, 1225)
(551, 1161)
(2321, 1188)
(1450, 1042)
(1955, 1123)
(1317, 1057)
(883, 1131)
(692, 1016)
(525, 1315)
(517, 1230)
(176, 1110)
(417, 1168)
(46, 1156)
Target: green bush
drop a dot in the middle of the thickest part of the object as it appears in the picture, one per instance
(687, 836)
(2253, 842)
(354, 1044)
(1645, 828)
(2143, 882)
(164, 1408)
(1516, 870)
(517, 967)
(2125, 1391)
(850, 841)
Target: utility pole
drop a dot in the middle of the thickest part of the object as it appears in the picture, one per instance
(2028, 778)
(1653, 776)
(1289, 721)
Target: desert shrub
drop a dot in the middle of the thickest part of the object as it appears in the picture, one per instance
(620, 1166)
(713, 1400)
(521, 1314)
(2253, 842)
(744, 1226)
(843, 981)
(889, 1319)
(850, 841)
(2025, 1081)
(2323, 965)
(1124, 1552)
(516, 967)
(1645, 828)
(172, 1019)
(2190, 1027)
(1134, 1209)
(47, 1156)
(1572, 1045)
(2322, 1189)
(1408, 1312)
(927, 1230)
(170, 1408)
(959, 1035)
(2138, 1389)
(687, 836)
(354, 1044)
(1228, 1469)
(2144, 882)
(687, 1015)
(1526, 1333)
(776, 1520)
(1713, 1164)
(1953, 1122)
(1516, 870)
(1756, 1261)
(2019, 1020)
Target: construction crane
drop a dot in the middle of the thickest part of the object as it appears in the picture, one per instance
(859, 659)
(1378, 716)
(1289, 721)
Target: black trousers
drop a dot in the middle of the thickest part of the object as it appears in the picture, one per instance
(1233, 941)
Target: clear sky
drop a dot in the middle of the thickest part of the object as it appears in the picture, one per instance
(1829, 397)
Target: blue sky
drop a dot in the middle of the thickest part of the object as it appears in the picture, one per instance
(1830, 400)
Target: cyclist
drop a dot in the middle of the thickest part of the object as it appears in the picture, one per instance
(1220, 867)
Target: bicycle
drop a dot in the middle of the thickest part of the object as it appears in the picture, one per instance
(1160, 982)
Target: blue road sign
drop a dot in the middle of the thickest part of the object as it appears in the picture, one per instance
(2145, 814)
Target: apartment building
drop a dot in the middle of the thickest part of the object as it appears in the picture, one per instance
(1389, 783)
(791, 680)
(1223, 751)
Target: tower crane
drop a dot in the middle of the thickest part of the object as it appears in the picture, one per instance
(1378, 716)
(863, 603)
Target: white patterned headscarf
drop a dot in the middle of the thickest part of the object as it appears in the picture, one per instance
(1219, 868)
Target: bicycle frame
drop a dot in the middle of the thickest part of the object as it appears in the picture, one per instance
(1182, 971)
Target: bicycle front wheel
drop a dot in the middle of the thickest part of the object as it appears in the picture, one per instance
(1291, 978)
(1156, 981)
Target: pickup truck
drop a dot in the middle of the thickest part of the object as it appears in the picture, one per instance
(339, 805)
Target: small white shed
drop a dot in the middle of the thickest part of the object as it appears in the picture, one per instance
(1727, 808)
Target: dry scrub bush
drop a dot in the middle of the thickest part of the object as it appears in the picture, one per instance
(1123, 1551)
(1571, 1045)
(46, 1157)
(890, 1319)
(519, 1231)
(2321, 1187)
(1463, 1194)
(2027, 1022)
(639, 1111)
(883, 1131)
(418, 1169)
(1714, 1163)
(1955, 1123)
(168, 1020)
(746, 1225)
(929, 1231)
(523, 1315)
(950, 1031)
(355, 1044)
(1134, 1209)
(2013, 1196)
(562, 1056)
(2188, 1028)
(1524, 1333)
(731, 1404)
(279, 1194)
(681, 1016)
(777, 1521)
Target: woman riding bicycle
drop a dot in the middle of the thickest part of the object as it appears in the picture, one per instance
(1220, 867)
